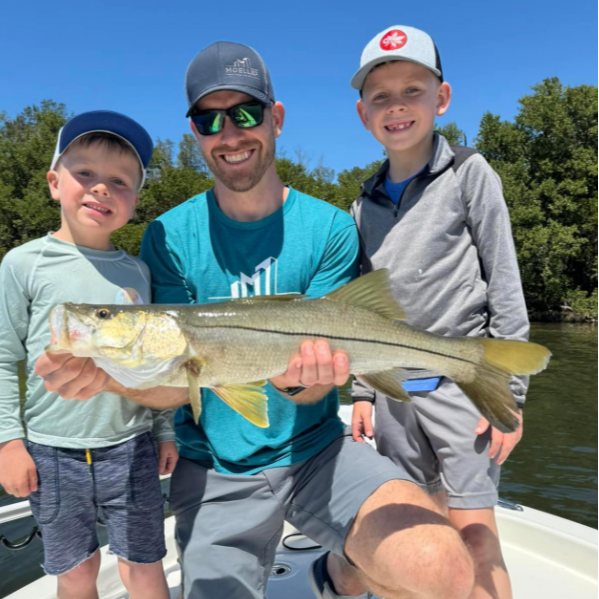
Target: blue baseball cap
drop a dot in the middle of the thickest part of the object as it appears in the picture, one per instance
(106, 121)
(227, 66)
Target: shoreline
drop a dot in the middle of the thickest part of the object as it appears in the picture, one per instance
(563, 316)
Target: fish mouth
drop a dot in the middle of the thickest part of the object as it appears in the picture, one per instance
(78, 333)
(67, 332)
(59, 337)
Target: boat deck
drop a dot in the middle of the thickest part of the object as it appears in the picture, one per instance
(547, 557)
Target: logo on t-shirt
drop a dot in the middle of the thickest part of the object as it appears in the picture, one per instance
(394, 40)
(262, 282)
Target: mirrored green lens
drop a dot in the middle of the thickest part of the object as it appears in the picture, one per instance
(247, 116)
(244, 116)
(209, 122)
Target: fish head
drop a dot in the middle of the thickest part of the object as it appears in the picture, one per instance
(87, 330)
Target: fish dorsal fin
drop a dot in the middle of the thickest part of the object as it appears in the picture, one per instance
(371, 292)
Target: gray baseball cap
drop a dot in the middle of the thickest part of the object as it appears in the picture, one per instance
(227, 66)
(398, 42)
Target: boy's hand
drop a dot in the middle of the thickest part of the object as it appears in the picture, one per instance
(167, 456)
(70, 377)
(361, 421)
(314, 365)
(501, 443)
(18, 474)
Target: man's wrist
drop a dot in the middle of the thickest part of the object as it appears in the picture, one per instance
(292, 391)
(115, 387)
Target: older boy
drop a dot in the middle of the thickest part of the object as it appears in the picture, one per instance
(435, 216)
(101, 453)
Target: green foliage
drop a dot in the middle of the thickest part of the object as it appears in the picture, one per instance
(26, 148)
(579, 301)
(546, 157)
(453, 134)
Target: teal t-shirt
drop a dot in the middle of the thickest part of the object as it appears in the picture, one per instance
(197, 254)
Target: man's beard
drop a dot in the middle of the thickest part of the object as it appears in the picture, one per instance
(243, 181)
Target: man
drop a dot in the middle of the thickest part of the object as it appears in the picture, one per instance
(235, 484)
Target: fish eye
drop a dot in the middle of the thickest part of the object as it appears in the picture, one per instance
(103, 313)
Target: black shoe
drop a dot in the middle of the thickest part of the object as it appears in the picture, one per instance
(322, 585)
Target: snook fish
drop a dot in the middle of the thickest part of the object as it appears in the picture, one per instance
(233, 347)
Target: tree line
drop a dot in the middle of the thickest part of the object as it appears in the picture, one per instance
(546, 157)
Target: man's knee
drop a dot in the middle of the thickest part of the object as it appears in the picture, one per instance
(439, 566)
(401, 541)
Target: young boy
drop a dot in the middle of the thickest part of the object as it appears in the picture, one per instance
(99, 453)
(435, 216)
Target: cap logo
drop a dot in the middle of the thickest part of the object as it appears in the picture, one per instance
(394, 40)
(241, 67)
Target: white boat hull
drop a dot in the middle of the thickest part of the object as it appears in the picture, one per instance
(547, 557)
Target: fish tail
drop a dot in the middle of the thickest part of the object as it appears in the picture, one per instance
(489, 388)
(515, 357)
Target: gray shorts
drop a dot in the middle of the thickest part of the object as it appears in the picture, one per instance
(122, 480)
(433, 440)
(228, 526)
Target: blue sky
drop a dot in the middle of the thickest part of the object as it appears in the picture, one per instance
(131, 56)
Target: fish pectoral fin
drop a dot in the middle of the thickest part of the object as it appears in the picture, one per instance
(388, 382)
(193, 368)
(371, 292)
(248, 400)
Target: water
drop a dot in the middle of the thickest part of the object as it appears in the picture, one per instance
(553, 468)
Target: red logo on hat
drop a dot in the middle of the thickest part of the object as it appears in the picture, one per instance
(394, 40)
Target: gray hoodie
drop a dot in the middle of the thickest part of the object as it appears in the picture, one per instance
(449, 249)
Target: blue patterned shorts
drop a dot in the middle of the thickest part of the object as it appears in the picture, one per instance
(122, 480)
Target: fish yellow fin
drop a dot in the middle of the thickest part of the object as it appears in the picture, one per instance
(516, 357)
(248, 400)
(371, 292)
(193, 368)
(388, 382)
(490, 389)
(490, 392)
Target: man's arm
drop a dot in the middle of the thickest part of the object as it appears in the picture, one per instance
(158, 398)
(80, 378)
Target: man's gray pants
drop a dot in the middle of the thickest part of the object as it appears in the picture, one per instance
(228, 526)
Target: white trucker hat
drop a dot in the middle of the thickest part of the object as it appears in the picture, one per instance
(398, 42)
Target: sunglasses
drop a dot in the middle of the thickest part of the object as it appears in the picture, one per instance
(246, 115)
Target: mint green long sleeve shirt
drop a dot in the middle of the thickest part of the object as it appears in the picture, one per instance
(33, 279)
